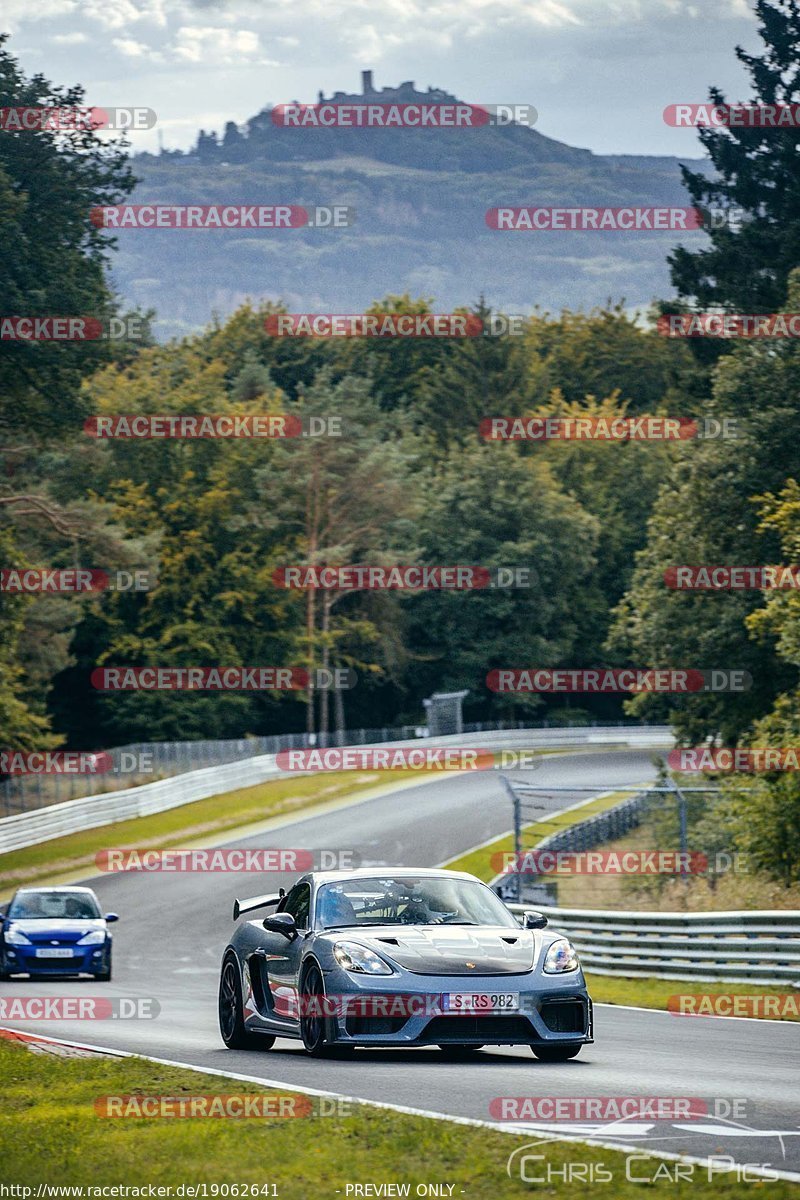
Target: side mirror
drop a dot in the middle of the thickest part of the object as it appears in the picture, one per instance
(109, 917)
(535, 920)
(281, 923)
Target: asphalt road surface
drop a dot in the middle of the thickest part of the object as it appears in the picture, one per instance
(173, 928)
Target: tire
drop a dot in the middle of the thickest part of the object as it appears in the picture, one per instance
(458, 1051)
(229, 1010)
(314, 1028)
(557, 1053)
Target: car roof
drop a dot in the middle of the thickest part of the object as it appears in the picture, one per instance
(383, 872)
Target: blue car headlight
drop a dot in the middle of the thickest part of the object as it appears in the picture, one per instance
(561, 957)
(15, 937)
(360, 960)
(95, 937)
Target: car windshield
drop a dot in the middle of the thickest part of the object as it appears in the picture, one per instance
(44, 906)
(409, 900)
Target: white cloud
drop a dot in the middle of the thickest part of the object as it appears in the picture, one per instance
(120, 14)
(20, 12)
(211, 44)
(131, 48)
(69, 39)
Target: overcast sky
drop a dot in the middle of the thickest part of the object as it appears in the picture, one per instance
(599, 72)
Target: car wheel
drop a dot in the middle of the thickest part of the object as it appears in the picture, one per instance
(459, 1051)
(557, 1053)
(312, 1019)
(231, 1020)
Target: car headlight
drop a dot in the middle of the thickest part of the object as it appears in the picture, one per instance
(360, 959)
(15, 937)
(561, 957)
(94, 937)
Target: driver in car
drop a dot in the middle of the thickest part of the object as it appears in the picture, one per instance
(421, 909)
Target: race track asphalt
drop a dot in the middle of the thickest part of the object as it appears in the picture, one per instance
(173, 928)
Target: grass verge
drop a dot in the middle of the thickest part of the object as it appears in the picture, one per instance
(204, 819)
(479, 861)
(655, 993)
(608, 989)
(52, 1135)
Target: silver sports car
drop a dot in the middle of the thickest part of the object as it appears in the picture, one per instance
(394, 957)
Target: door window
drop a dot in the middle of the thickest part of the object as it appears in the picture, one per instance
(298, 902)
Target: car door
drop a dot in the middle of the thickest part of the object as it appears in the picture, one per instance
(281, 958)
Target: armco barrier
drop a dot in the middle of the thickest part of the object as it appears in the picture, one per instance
(57, 820)
(761, 948)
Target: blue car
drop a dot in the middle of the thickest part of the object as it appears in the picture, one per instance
(55, 931)
(390, 957)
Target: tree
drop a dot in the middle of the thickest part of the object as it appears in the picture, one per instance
(757, 170)
(707, 514)
(490, 506)
(767, 807)
(475, 377)
(54, 257)
(610, 351)
(340, 500)
(617, 482)
(54, 260)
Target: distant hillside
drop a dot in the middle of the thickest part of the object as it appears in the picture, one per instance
(420, 198)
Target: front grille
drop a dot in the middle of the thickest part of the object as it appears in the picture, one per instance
(377, 1026)
(478, 1029)
(564, 1016)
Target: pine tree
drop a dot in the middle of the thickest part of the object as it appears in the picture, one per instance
(757, 170)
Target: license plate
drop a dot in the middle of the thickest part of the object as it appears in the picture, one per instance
(480, 1002)
(54, 952)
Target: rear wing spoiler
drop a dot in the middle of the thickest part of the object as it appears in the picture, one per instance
(243, 906)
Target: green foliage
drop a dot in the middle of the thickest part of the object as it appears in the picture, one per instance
(53, 255)
(757, 171)
(707, 513)
(54, 261)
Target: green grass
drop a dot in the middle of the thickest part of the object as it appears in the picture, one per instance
(478, 862)
(655, 993)
(51, 1134)
(608, 989)
(202, 819)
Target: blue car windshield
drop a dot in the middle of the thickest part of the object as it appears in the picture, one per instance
(53, 906)
(410, 900)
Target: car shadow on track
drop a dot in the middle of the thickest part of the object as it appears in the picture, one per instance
(415, 1055)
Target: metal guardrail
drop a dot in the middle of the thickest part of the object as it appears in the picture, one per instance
(72, 816)
(758, 947)
(602, 827)
(145, 762)
(42, 824)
